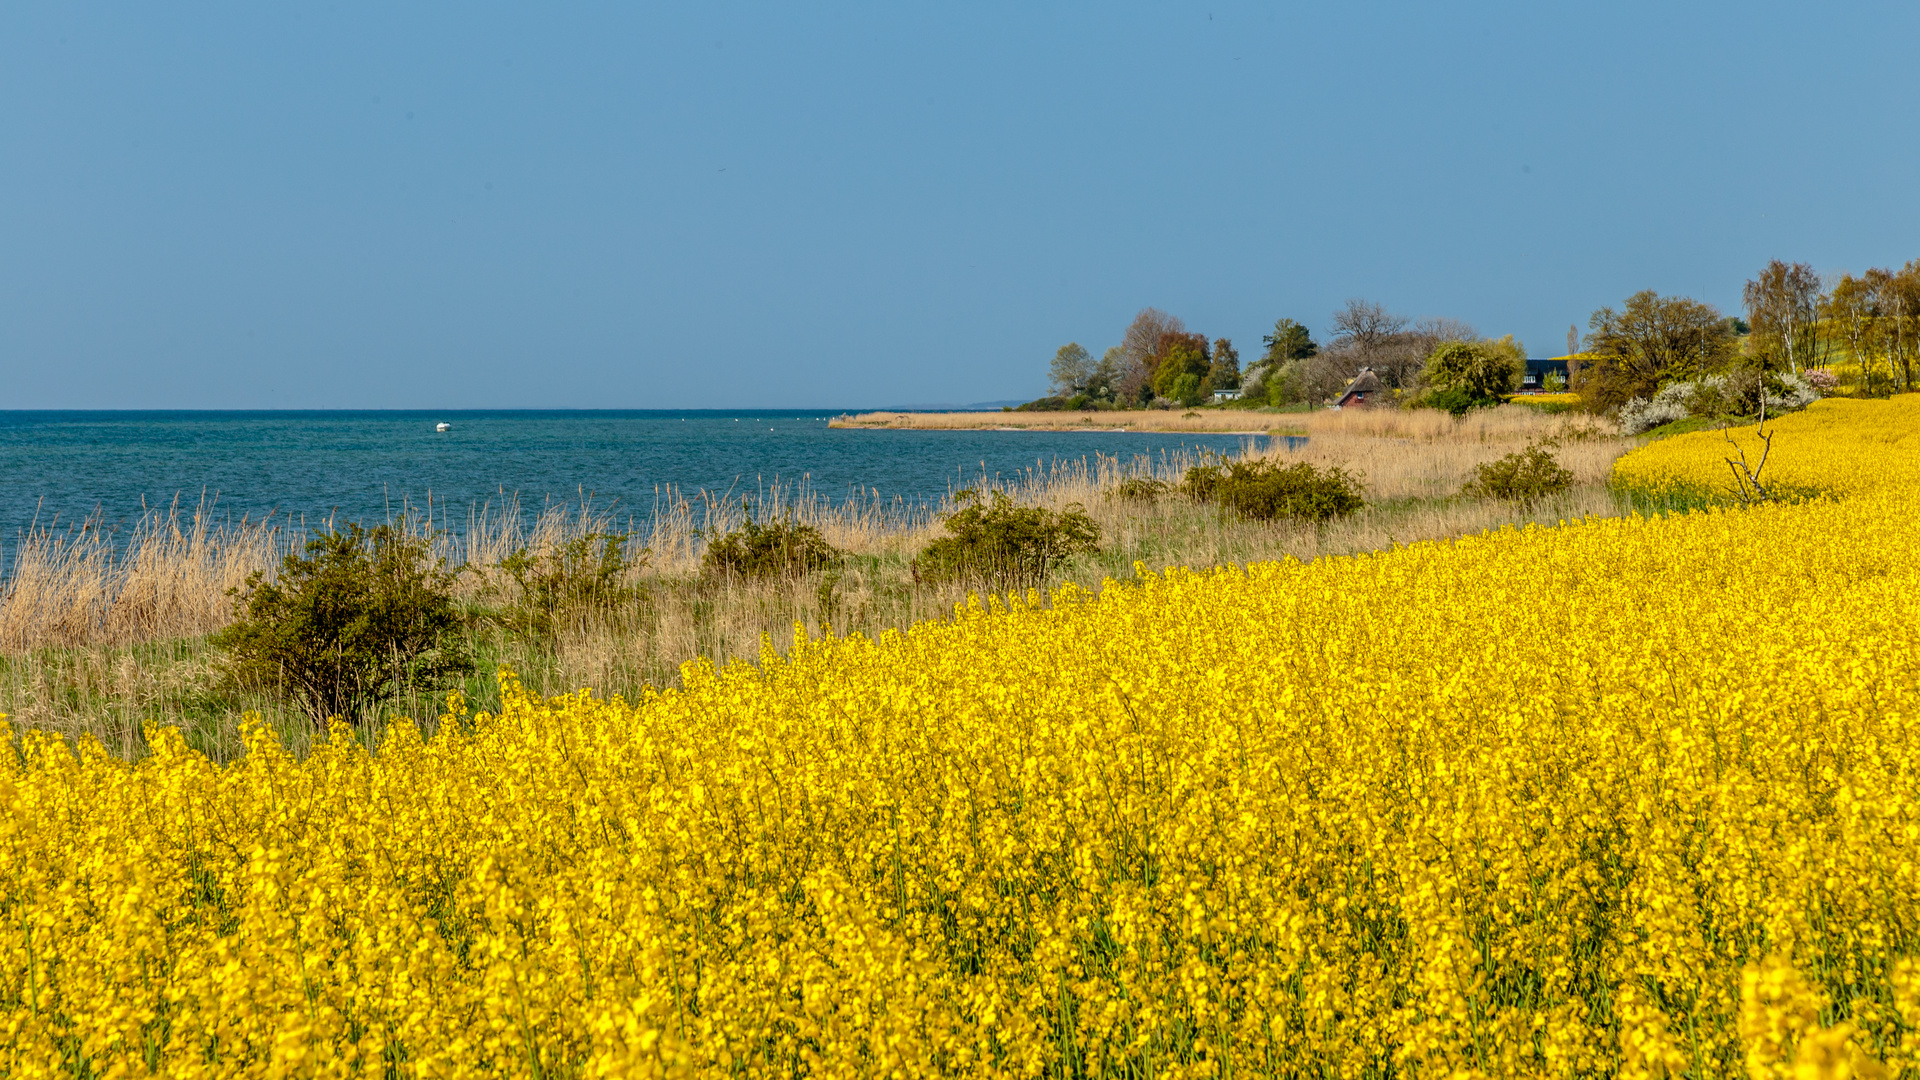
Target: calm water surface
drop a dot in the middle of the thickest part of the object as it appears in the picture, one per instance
(60, 467)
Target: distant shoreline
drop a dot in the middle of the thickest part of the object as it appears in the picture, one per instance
(1107, 422)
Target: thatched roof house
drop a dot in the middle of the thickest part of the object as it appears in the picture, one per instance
(1362, 391)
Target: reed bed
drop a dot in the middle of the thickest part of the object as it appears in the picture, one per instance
(1503, 424)
(1509, 423)
(1219, 421)
(130, 645)
(166, 578)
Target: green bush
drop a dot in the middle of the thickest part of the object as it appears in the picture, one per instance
(1455, 400)
(1265, 490)
(780, 548)
(361, 617)
(1138, 489)
(1525, 476)
(584, 573)
(1004, 546)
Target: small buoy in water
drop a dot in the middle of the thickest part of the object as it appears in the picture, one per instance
(443, 426)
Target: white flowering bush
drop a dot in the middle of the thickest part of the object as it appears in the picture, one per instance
(1672, 402)
(1738, 393)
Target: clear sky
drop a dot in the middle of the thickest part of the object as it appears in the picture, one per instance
(340, 205)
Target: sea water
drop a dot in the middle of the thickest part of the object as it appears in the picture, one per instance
(60, 468)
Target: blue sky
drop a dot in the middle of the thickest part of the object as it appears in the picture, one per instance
(413, 206)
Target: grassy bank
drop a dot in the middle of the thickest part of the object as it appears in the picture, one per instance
(99, 644)
(1521, 419)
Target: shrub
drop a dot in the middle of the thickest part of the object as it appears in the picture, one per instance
(1003, 545)
(1733, 394)
(359, 618)
(1642, 415)
(1265, 490)
(1821, 380)
(780, 548)
(587, 571)
(1138, 489)
(1525, 476)
(1453, 399)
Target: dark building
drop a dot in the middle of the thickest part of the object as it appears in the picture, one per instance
(1537, 371)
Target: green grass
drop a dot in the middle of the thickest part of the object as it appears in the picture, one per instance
(1551, 408)
(1686, 426)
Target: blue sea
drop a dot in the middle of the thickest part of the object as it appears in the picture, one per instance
(59, 468)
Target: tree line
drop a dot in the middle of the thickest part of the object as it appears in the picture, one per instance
(1859, 333)
(1159, 363)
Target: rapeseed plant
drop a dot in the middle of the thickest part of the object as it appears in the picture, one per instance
(1623, 797)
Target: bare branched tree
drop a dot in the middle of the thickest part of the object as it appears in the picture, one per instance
(1430, 333)
(1367, 335)
(1365, 324)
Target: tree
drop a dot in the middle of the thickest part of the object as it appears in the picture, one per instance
(1853, 311)
(1477, 372)
(1900, 299)
(1224, 374)
(1417, 343)
(1289, 341)
(1652, 341)
(1138, 348)
(1105, 378)
(1365, 324)
(1072, 369)
(1783, 309)
(1368, 335)
(1180, 354)
(1573, 339)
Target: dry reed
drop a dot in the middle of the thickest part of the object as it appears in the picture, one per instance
(1223, 421)
(97, 644)
(1505, 423)
(82, 586)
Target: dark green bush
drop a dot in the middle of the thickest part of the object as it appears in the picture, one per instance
(1525, 476)
(780, 548)
(1455, 400)
(1138, 489)
(1004, 546)
(1265, 490)
(361, 617)
(587, 572)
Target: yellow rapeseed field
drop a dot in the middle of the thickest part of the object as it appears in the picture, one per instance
(1631, 797)
(1840, 446)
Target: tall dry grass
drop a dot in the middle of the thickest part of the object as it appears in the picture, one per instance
(1224, 421)
(100, 639)
(1505, 423)
(166, 578)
